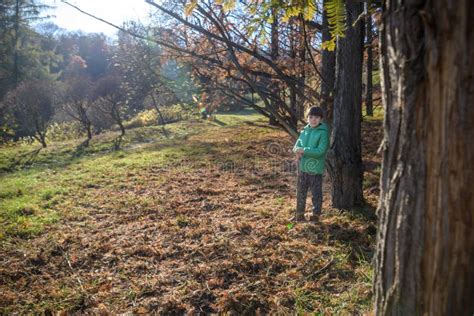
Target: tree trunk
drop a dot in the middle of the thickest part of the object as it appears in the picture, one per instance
(275, 43)
(118, 119)
(292, 93)
(161, 120)
(16, 48)
(160, 115)
(301, 75)
(122, 128)
(368, 86)
(425, 242)
(89, 133)
(328, 67)
(84, 119)
(345, 156)
(41, 138)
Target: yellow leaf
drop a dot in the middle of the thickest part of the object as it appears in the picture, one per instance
(188, 8)
(309, 12)
(329, 45)
(228, 5)
(285, 18)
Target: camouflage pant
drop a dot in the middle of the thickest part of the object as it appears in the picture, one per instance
(307, 181)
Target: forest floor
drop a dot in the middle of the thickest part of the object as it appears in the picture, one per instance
(194, 221)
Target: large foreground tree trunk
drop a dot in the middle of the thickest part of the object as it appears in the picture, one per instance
(425, 246)
(345, 156)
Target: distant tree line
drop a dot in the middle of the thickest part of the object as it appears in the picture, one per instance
(50, 75)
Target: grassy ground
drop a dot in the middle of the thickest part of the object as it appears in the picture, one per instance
(194, 220)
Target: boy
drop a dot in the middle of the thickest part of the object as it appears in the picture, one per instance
(310, 150)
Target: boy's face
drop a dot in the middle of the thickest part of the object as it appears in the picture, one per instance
(314, 120)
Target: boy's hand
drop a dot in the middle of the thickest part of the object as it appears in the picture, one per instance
(299, 153)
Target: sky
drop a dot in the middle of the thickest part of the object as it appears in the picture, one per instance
(114, 11)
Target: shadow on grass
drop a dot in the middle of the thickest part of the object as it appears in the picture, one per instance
(218, 122)
(359, 240)
(251, 123)
(357, 243)
(366, 211)
(191, 150)
(80, 149)
(63, 158)
(23, 160)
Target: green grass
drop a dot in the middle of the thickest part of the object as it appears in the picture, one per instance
(39, 189)
(376, 77)
(355, 298)
(378, 114)
(61, 185)
(235, 118)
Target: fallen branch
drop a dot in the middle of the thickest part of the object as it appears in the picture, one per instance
(324, 268)
(73, 272)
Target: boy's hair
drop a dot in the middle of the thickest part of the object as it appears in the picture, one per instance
(316, 111)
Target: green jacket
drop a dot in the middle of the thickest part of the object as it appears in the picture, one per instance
(315, 143)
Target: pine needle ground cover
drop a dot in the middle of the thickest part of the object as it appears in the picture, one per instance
(194, 221)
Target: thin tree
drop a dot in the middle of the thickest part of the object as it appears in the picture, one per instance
(110, 98)
(368, 82)
(32, 104)
(77, 96)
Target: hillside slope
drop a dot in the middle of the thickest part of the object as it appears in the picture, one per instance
(193, 222)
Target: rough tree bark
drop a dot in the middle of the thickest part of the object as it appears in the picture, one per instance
(368, 87)
(425, 244)
(292, 34)
(301, 60)
(328, 67)
(345, 157)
